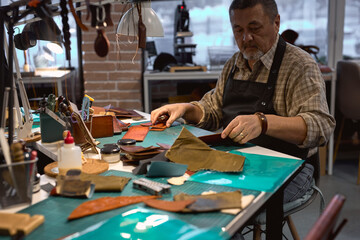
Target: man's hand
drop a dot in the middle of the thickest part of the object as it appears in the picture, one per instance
(243, 128)
(174, 111)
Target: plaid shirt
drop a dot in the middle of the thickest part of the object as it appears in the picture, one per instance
(299, 91)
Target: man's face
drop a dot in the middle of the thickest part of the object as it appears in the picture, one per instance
(253, 31)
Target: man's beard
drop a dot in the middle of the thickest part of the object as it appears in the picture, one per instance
(254, 56)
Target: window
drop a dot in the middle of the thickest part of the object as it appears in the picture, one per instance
(210, 24)
(309, 19)
(351, 43)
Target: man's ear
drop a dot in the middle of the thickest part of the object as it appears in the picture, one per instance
(277, 23)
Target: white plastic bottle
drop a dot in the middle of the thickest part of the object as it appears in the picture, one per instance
(69, 156)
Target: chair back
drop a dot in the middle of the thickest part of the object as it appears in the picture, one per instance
(348, 89)
(324, 227)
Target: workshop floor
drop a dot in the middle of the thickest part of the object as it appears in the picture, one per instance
(342, 181)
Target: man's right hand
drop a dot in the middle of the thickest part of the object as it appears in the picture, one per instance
(176, 111)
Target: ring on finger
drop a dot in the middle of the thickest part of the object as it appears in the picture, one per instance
(242, 135)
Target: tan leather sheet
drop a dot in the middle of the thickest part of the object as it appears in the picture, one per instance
(190, 150)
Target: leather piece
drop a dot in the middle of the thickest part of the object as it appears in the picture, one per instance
(119, 112)
(137, 149)
(101, 44)
(190, 150)
(164, 146)
(166, 169)
(136, 153)
(116, 126)
(74, 187)
(76, 17)
(19, 223)
(105, 204)
(216, 140)
(170, 206)
(119, 126)
(136, 132)
(155, 127)
(106, 183)
(141, 29)
(142, 168)
(211, 202)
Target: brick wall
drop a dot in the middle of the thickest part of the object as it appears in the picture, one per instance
(116, 78)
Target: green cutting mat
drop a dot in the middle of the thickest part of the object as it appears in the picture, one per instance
(57, 209)
(168, 136)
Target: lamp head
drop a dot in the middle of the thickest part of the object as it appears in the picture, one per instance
(39, 30)
(128, 24)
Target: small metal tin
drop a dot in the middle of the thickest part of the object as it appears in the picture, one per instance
(110, 153)
(126, 142)
(110, 145)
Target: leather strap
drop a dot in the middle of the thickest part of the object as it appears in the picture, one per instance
(76, 17)
(264, 122)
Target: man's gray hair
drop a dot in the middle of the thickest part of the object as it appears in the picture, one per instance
(269, 6)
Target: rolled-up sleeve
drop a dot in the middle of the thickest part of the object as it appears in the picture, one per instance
(305, 97)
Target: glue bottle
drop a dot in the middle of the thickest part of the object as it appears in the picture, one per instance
(69, 156)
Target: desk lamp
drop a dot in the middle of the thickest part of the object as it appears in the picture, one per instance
(39, 30)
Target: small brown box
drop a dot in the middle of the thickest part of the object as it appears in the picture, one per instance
(102, 126)
(99, 126)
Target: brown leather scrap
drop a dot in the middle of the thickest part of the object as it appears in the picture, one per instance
(164, 146)
(105, 204)
(216, 139)
(106, 183)
(121, 125)
(137, 149)
(119, 112)
(170, 206)
(136, 132)
(136, 153)
(154, 127)
(211, 202)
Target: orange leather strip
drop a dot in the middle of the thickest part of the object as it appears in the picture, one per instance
(76, 17)
(105, 204)
(159, 126)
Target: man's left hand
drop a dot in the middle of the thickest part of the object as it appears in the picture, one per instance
(243, 128)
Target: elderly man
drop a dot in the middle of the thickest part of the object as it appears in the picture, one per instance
(269, 93)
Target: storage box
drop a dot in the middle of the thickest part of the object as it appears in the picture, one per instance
(51, 130)
(16, 183)
(99, 126)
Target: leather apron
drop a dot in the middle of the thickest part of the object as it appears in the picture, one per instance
(243, 97)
